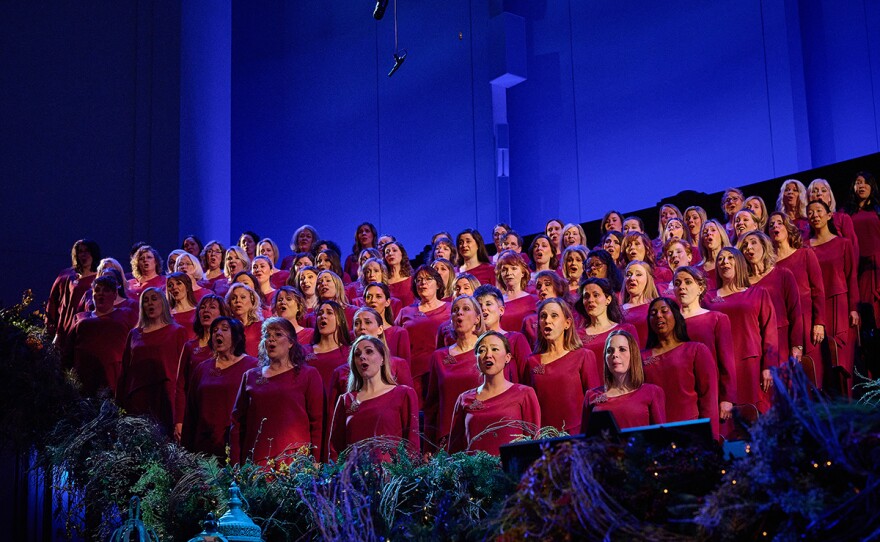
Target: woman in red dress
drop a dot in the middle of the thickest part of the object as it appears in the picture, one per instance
(492, 304)
(756, 205)
(753, 326)
(573, 234)
(731, 201)
(146, 268)
(330, 288)
(453, 369)
(678, 254)
(639, 291)
(370, 270)
(290, 305)
(780, 283)
(307, 282)
(234, 262)
(637, 246)
(377, 296)
(178, 291)
(744, 221)
(792, 201)
(612, 221)
(802, 262)
(841, 297)
(97, 340)
(189, 264)
(330, 342)
(601, 312)
(668, 211)
(553, 231)
(69, 288)
(820, 189)
(712, 239)
(261, 269)
(712, 328)
(497, 411)
(148, 382)
(195, 351)
(574, 261)
(244, 305)
(864, 210)
(474, 256)
(685, 370)
(547, 284)
(447, 273)
(560, 370)
(400, 272)
(632, 401)
(374, 405)
(512, 274)
(247, 241)
(499, 232)
(543, 254)
(601, 265)
(277, 277)
(365, 236)
(444, 248)
(611, 243)
(212, 389)
(279, 410)
(212, 263)
(633, 224)
(694, 218)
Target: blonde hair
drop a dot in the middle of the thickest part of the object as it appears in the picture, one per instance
(242, 255)
(340, 298)
(165, 318)
(769, 259)
(823, 182)
(650, 287)
(254, 314)
(199, 273)
(355, 380)
(801, 211)
(570, 339)
(481, 326)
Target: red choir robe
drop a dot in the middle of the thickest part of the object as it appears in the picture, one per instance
(148, 381)
(422, 331)
(811, 289)
(517, 310)
(192, 355)
(209, 401)
(392, 414)
(487, 425)
(753, 326)
(596, 345)
(641, 407)
(841, 297)
(866, 225)
(95, 347)
(450, 376)
(402, 290)
(782, 287)
(561, 386)
(689, 378)
(638, 318)
(275, 417)
(713, 330)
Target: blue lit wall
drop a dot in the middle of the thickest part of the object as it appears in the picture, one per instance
(148, 120)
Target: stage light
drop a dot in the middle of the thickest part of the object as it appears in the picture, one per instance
(379, 10)
(398, 61)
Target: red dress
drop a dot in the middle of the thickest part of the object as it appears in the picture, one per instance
(753, 326)
(520, 350)
(485, 273)
(148, 382)
(397, 339)
(209, 404)
(192, 355)
(95, 347)
(517, 310)
(596, 345)
(488, 425)
(422, 330)
(399, 370)
(278, 279)
(326, 363)
(253, 334)
(638, 318)
(644, 406)
(276, 416)
(305, 335)
(560, 387)
(403, 291)
(782, 287)
(450, 376)
(846, 229)
(392, 414)
(866, 224)
(219, 285)
(841, 298)
(811, 288)
(72, 290)
(186, 320)
(712, 329)
(711, 278)
(689, 378)
(53, 304)
(135, 288)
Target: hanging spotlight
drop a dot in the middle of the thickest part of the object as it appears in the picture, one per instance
(379, 10)
(398, 61)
